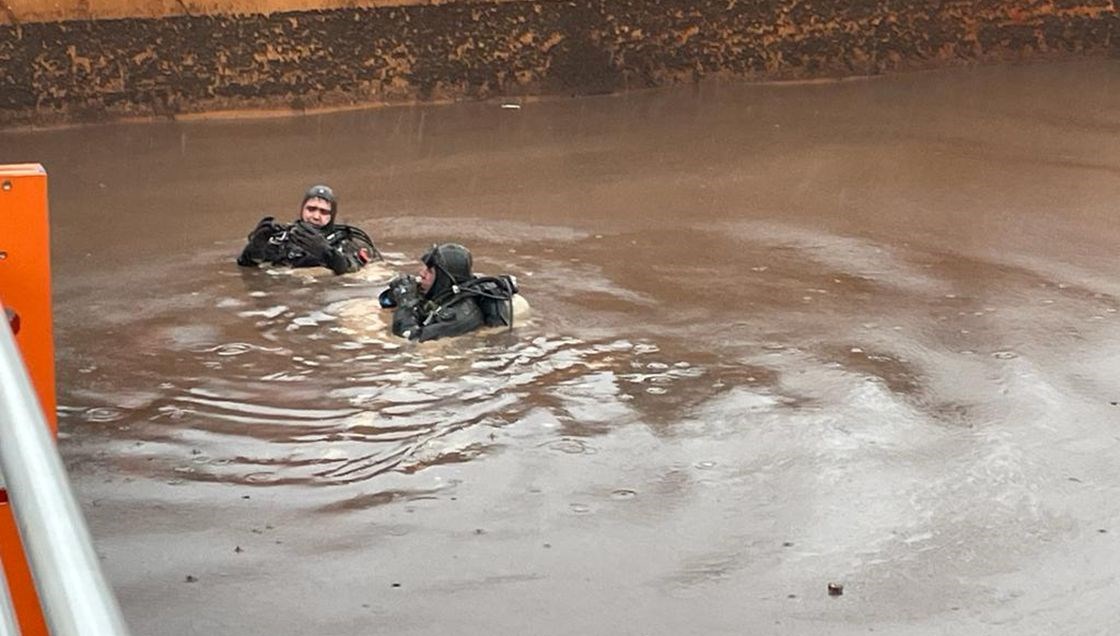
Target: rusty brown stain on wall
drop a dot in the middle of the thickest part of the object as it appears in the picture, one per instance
(27, 11)
(94, 69)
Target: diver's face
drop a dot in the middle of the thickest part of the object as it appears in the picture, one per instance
(427, 277)
(317, 212)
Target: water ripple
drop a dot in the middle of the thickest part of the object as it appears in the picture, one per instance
(402, 410)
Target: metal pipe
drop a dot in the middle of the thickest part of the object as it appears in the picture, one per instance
(7, 612)
(76, 599)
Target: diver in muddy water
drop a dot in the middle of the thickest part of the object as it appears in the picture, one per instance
(312, 240)
(447, 298)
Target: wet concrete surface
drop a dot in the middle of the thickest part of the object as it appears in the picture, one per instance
(863, 333)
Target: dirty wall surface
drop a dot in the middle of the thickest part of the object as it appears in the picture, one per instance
(26, 11)
(80, 70)
(859, 332)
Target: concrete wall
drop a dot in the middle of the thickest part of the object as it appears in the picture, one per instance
(26, 11)
(218, 58)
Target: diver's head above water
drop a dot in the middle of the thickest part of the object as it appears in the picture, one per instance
(319, 207)
(443, 266)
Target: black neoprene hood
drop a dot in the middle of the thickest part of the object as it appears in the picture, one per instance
(452, 259)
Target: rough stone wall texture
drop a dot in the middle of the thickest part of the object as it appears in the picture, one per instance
(96, 69)
(27, 11)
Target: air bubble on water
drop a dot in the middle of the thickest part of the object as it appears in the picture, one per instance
(102, 414)
(231, 348)
(570, 446)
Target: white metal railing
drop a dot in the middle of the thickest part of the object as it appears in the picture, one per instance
(75, 597)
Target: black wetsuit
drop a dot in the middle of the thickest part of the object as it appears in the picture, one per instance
(427, 320)
(448, 310)
(341, 248)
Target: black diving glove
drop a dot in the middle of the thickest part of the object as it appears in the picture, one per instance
(265, 229)
(309, 239)
(255, 249)
(403, 291)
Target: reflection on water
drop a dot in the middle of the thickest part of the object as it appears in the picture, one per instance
(290, 378)
(310, 391)
(780, 336)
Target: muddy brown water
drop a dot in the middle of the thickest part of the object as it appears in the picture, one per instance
(862, 332)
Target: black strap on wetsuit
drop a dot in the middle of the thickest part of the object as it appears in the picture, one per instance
(476, 288)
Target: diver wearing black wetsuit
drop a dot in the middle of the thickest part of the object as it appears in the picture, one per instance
(448, 299)
(313, 240)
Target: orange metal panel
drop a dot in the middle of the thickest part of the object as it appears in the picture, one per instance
(25, 272)
(20, 584)
(25, 288)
